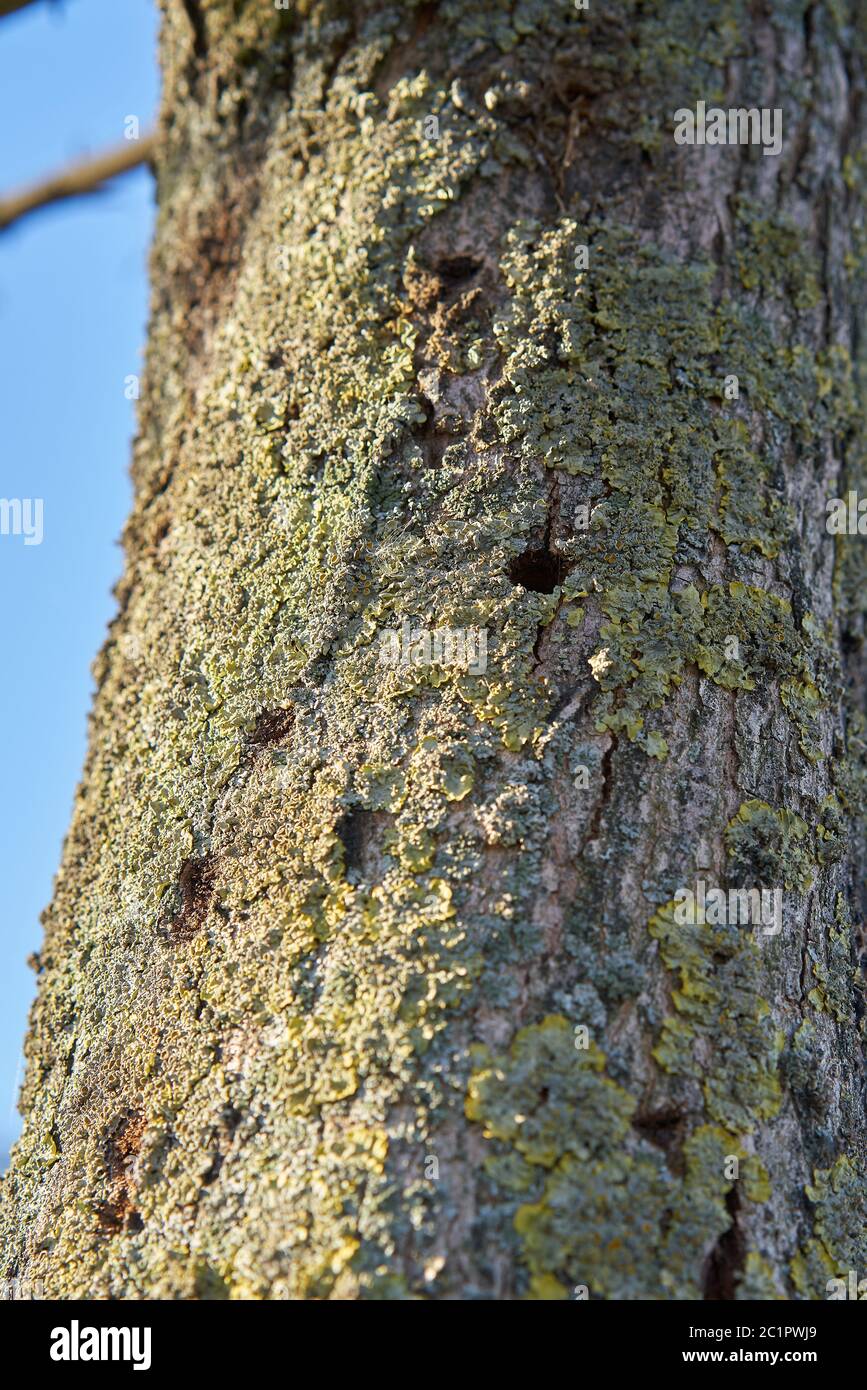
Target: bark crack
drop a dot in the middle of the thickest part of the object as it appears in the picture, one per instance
(726, 1261)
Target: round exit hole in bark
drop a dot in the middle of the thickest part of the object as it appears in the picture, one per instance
(455, 270)
(540, 571)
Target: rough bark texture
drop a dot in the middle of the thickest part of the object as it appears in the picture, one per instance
(325, 930)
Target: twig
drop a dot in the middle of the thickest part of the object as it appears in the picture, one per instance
(87, 177)
(10, 6)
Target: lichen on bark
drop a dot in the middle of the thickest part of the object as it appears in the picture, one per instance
(325, 928)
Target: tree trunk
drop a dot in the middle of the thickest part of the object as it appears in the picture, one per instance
(367, 973)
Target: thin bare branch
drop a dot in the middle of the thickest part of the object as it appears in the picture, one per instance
(86, 177)
(10, 6)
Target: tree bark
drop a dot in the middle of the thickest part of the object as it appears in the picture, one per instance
(368, 979)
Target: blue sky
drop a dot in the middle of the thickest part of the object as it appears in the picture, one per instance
(73, 304)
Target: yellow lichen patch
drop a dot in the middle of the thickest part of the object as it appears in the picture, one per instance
(560, 1129)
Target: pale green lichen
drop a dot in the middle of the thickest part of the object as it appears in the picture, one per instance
(637, 332)
(835, 976)
(769, 847)
(718, 1001)
(839, 1240)
(561, 1143)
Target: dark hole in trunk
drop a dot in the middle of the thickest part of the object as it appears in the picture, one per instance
(540, 571)
(456, 269)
